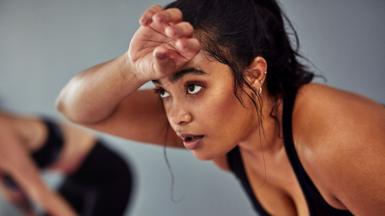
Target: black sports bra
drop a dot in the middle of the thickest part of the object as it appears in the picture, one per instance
(315, 202)
(50, 150)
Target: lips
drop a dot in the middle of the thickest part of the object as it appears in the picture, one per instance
(191, 141)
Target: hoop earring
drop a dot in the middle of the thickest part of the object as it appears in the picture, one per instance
(260, 90)
(263, 80)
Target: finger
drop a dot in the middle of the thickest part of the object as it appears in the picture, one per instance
(163, 61)
(182, 29)
(188, 47)
(146, 18)
(172, 15)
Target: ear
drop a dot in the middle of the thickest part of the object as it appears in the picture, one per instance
(255, 73)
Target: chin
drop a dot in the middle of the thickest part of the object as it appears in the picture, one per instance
(207, 155)
(201, 155)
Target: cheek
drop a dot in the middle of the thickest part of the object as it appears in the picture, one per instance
(167, 107)
(225, 118)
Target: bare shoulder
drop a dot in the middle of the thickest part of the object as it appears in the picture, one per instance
(330, 97)
(341, 141)
(320, 108)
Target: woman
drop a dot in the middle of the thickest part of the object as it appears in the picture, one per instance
(98, 181)
(231, 87)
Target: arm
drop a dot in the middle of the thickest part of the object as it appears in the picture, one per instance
(105, 97)
(87, 97)
(17, 198)
(359, 164)
(15, 161)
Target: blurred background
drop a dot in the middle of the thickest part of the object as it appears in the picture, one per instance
(43, 43)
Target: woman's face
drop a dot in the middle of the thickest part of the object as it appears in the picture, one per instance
(202, 109)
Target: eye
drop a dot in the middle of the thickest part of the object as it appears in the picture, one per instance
(162, 93)
(193, 88)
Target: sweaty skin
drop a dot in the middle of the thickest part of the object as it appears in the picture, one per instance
(338, 135)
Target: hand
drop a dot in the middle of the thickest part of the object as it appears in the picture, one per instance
(14, 194)
(162, 44)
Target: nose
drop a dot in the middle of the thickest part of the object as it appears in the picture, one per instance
(180, 116)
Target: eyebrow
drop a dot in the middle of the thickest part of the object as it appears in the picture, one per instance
(178, 75)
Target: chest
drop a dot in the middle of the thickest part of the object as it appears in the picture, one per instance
(275, 186)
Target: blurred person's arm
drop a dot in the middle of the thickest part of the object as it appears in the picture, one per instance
(16, 162)
(16, 198)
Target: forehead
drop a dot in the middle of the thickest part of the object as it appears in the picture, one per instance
(201, 65)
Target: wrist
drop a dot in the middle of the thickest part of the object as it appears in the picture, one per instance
(128, 81)
(129, 73)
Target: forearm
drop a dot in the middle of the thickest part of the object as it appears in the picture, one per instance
(6, 193)
(92, 95)
(49, 200)
(54, 204)
(38, 192)
(18, 199)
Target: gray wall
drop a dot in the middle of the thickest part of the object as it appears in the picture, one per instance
(45, 42)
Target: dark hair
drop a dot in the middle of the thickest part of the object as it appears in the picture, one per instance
(235, 32)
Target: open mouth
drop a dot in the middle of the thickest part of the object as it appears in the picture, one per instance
(191, 138)
(191, 141)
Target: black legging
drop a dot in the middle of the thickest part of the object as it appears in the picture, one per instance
(101, 186)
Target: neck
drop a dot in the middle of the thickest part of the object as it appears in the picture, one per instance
(265, 137)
